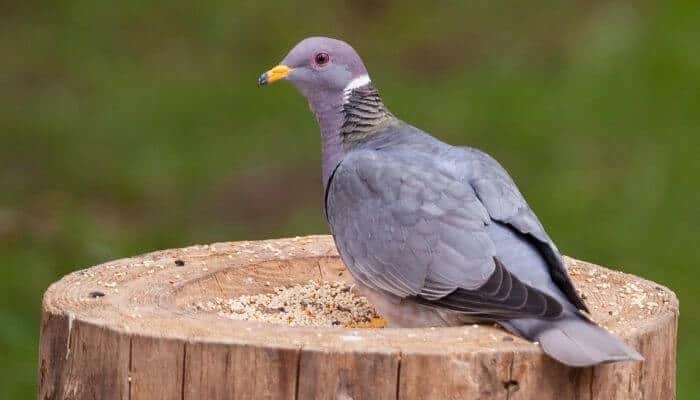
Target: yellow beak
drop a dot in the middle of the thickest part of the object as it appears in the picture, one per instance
(275, 74)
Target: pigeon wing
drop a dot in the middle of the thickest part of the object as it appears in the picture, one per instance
(504, 203)
(405, 229)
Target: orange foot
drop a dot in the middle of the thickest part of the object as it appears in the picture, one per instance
(376, 322)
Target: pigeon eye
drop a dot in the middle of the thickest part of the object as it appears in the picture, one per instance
(322, 59)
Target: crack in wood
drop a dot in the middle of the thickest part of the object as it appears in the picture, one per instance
(398, 376)
(131, 354)
(298, 373)
(320, 270)
(641, 377)
(221, 288)
(510, 375)
(184, 365)
(71, 318)
(61, 384)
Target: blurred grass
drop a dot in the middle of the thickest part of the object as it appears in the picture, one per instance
(135, 126)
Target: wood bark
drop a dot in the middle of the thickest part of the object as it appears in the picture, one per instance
(127, 330)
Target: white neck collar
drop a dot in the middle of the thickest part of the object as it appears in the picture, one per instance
(354, 84)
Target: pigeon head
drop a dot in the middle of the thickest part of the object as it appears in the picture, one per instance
(320, 67)
(332, 77)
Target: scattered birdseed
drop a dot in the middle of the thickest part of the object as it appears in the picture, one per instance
(330, 304)
(614, 301)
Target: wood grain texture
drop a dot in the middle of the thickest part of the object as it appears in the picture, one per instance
(228, 371)
(156, 370)
(356, 374)
(126, 330)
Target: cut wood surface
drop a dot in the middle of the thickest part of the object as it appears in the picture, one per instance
(127, 330)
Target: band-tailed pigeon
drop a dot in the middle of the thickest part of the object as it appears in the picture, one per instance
(435, 235)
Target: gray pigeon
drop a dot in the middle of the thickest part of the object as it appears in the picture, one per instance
(434, 235)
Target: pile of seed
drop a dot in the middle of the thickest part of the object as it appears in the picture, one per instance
(614, 300)
(313, 304)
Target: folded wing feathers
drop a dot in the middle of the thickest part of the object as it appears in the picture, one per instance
(502, 296)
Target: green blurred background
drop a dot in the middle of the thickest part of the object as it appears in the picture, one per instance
(132, 126)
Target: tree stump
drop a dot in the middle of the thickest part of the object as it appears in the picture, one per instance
(125, 330)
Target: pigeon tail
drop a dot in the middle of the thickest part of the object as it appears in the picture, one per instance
(574, 341)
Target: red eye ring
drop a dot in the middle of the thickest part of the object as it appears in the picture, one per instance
(322, 58)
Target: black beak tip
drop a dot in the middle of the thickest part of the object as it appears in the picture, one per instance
(262, 81)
